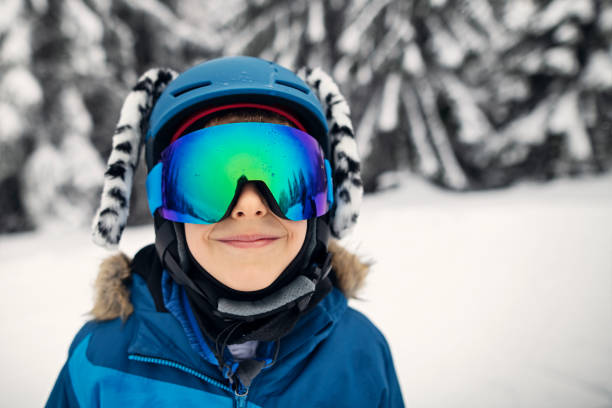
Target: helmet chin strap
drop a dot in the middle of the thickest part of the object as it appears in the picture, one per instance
(172, 250)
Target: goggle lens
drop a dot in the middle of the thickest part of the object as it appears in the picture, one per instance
(199, 174)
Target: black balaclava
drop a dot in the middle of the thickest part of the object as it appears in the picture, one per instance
(223, 330)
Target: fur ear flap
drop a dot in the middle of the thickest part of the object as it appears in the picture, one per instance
(111, 217)
(348, 188)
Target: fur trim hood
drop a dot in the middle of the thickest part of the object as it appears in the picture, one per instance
(112, 295)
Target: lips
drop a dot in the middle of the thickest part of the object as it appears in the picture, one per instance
(249, 237)
(249, 241)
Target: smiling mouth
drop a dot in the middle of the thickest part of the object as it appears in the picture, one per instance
(249, 240)
(252, 243)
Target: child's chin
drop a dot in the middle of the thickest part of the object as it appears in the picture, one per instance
(254, 281)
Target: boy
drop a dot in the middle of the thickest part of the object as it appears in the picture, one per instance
(242, 301)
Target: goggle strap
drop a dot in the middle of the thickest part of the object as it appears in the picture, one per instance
(330, 187)
(154, 188)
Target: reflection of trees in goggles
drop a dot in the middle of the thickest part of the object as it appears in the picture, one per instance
(297, 193)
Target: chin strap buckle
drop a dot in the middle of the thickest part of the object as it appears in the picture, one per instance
(320, 272)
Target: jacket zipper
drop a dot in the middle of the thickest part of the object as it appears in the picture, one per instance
(240, 395)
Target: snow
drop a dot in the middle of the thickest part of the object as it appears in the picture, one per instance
(39, 6)
(288, 56)
(517, 14)
(467, 34)
(481, 12)
(21, 88)
(531, 62)
(364, 75)
(86, 30)
(561, 60)
(209, 20)
(75, 112)
(447, 49)
(598, 72)
(412, 62)
(399, 32)
(558, 11)
(86, 166)
(531, 128)
(567, 119)
(316, 26)
(15, 49)
(341, 69)
(437, 3)
(11, 150)
(63, 182)
(491, 299)
(200, 33)
(351, 40)
(240, 41)
(567, 33)
(81, 23)
(387, 119)
(605, 19)
(511, 88)
(12, 124)
(282, 51)
(474, 126)
(10, 11)
(102, 7)
(42, 174)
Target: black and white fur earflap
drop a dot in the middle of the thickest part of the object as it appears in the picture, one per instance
(348, 188)
(111, 217)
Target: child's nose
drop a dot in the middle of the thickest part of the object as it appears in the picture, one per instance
(250, 203)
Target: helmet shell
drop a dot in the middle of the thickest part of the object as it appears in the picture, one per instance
(233, 80)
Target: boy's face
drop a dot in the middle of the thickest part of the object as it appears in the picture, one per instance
(241, 262)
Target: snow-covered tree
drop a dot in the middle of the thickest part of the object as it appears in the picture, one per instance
(65, 67)
(469, 93)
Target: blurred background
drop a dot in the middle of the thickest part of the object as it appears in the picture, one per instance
(485, 130)
(468, 94)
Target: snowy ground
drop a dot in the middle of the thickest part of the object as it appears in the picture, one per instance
(499, 299)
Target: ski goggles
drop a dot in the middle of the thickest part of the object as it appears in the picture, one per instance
(199, 174)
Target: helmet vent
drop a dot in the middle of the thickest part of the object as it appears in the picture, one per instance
(190, 88)
(293, 85)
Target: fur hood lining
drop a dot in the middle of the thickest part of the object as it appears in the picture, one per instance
(112, 295)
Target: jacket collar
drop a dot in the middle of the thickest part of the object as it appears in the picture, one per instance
(158, 334)
(161, 335)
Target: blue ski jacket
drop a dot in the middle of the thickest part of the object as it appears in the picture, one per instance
(134, 355)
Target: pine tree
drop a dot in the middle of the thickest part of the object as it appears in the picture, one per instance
(66, 66)
(469, 93)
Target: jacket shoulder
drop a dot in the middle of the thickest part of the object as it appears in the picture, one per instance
(367, 347)
(355, 325)
(356, 339)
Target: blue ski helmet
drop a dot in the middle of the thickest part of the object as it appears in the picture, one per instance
(228, 81)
